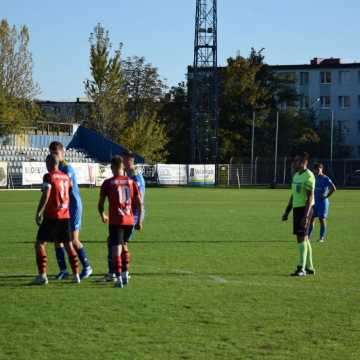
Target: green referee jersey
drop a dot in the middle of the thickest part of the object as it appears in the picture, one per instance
(301, 183)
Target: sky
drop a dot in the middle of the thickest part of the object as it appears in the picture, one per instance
(292, 32)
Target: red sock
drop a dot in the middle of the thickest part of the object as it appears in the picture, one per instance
(125, 257)
(73, 261)
(117, 265)
(41, 260)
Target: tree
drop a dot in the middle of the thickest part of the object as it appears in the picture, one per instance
(114, 90)
(107, 113)
(175, 115)
(17, 88)
(146, 136)
(142, 83)
(16, 65)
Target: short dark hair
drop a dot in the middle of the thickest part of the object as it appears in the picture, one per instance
(129, 154)
(318, 165)
(56, 145)
(53, 160)
(303, 155)
(117, 161)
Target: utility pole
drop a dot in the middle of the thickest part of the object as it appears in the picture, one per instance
(252, 145)
(203, 85)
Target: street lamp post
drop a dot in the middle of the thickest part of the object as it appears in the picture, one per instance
(276, 146)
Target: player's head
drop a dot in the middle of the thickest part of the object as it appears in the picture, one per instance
(319, 169)
(57, 148)
(301, 161)
(52, 162)
(117, 165)
(129, 160)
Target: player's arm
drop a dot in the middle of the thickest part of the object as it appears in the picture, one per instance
(331, 190)
(101, 208)
(139, 206)
(288, 209)
(45, 195)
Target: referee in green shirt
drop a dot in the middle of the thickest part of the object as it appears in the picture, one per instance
(302, 202)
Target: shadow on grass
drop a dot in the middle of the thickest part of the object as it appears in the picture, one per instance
(139, 242)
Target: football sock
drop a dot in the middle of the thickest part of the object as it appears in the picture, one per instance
(41, 260)
(110, 268)
(309, 259)
(117, 267)
(311, 227)
(83, 258)
(60, 258)
(322, 231)
(125, 258)
(303, 254)
(73, 261)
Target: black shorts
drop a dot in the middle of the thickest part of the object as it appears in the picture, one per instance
(298, 215)
(120, 234)
(54, 230)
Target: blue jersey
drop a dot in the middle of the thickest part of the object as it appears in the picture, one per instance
(140, 182)
(322, 188)
(75, 199)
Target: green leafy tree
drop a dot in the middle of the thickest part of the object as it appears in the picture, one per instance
(17, 87)
(175, 115)
(114, 88)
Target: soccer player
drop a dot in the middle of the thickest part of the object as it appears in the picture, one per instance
(129, 163)
(324, 188)
(53, 218)
(302, 202)
(57, 148)
(124, 197)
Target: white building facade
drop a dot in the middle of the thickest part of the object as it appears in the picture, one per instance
(329, 86)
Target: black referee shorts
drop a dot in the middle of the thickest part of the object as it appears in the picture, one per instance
(298, 216)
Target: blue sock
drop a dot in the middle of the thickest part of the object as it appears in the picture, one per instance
(83, 258)
(60, 258)
(110, 269)
(322, 231)
(311, 227)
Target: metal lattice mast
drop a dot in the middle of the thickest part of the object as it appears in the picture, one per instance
(204, 84)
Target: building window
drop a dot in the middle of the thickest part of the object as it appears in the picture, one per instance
(304, 78)
(359, 100)
(325, 102)
(359, 151)
(344, 102)
(304, 102)
(344, 77)
(325, 77)
(359, 126)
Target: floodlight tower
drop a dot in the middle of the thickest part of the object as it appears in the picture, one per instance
(204, 85)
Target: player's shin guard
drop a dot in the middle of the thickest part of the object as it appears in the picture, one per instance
(322, 231)
(41, 260)
(83, 258)
(303, 254)
(125, 258)
(73, 261)
(60, 258)
(109, 258)
(117, 265)
(309, 259)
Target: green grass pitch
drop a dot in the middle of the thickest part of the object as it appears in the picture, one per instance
(210, 281)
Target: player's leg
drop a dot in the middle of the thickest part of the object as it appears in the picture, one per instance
(75, 223)
(73, 259)
(63, 234)
(60, 259)
(323, 227)
(301, 235)
(79, 247)
(125, 255)
(116, 234)
(312, 224)
(41, 261)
